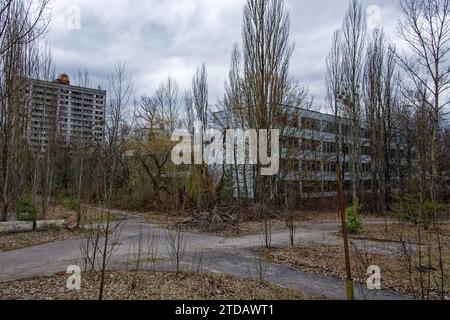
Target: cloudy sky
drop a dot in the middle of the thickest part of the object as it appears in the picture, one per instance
(158, 38)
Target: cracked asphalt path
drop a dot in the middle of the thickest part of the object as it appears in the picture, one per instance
(235, 256)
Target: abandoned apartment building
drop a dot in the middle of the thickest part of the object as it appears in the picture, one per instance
(309, 155)
(66, 113)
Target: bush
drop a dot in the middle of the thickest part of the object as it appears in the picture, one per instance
(71, 203)
(354, 224)
(26, 217)
(429, 209)
(413, 211)
(409, 209)
(27, 211)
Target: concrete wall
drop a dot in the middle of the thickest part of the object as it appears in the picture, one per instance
(15, 226)
(19, 226)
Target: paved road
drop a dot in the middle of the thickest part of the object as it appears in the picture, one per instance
(236, 256)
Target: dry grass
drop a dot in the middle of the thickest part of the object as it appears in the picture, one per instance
(399, 231)
(16, 241)
(59, 212)
(150, 286)
(329, 261)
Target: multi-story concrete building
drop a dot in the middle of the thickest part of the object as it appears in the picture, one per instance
(309, 155)
(66, 113)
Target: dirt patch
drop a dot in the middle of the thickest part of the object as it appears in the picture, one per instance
(16, 241)
(149, 286)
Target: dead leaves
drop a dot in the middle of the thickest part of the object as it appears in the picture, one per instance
(150, 286)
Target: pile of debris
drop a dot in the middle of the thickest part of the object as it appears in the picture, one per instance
(260, 212)
(217, 219)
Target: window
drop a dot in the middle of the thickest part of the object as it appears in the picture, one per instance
(311, 145)
(329, 127)
(367, 185)
(366, 151)
(365, 133)
(346, 149)
(330, 186)
(345, 130)
(347, 167)
(329, 147)
(312, 186)
(290, 120)
(311, 166)
(310, 124)
(347, 186)
(329, 167)
(366, 167)
(290, 165)
(290, 143)
(294, 121)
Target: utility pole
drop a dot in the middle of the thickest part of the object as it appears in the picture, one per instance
(349, 281)
(341, 194)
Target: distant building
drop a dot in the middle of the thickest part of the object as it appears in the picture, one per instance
(309, 155)
(70, 114)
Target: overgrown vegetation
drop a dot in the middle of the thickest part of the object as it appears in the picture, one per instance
(354, 224)
(27, 211)
(424, 213)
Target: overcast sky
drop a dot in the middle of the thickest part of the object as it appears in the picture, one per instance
(158, 38)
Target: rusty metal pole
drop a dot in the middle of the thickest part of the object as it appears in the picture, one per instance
(340, 177)
(349, 281)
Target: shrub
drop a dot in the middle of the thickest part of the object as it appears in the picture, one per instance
(430, 210)
(71, 203)
(354, 224)
(26, 217)
(27, 211)
(411, 210)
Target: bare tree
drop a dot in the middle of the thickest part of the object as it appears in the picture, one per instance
(30, 18)
(157, 118)
(380, 101)
(48, 132)
(100, 244)
(266, 53)
(425, 27)
(176, 246)
(82, 145)
(20, 27)
(353, 38)
(189, 116)
(112, 152)
(200, 95)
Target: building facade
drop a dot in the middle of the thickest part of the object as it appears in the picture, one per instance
(309, 147)
(64, 113)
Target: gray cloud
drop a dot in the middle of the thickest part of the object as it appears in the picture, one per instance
(158, 38)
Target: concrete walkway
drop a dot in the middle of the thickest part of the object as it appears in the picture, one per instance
(235, 256)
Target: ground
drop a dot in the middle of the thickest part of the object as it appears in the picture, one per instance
(397, 265)
(149, 286)
(213, 254)
(314, 267)
(15, 241)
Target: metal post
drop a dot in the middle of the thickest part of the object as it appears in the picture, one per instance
(350, 289)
